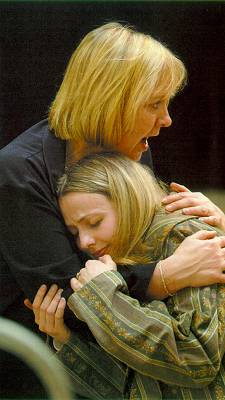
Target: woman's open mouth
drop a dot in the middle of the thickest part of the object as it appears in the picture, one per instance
(144, 143)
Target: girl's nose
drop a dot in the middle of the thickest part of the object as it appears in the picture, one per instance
(85, 241)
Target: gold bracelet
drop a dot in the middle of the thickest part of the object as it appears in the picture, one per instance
(163, 280)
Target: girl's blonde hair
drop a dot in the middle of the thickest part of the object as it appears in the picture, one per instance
(133, 191)
(112, 73)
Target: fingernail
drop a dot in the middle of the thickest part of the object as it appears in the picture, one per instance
(54, 286)
(169, 208)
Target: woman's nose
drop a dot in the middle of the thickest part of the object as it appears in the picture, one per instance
(165, 119)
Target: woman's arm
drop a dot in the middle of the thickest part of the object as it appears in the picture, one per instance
(34, 242)
(197, 260)
(145, 282)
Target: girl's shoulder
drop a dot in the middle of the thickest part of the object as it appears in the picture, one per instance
(170, 229)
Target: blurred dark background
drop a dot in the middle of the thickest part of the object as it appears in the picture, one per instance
(38, 37)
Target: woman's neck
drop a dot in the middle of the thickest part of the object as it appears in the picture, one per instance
(74, 151)
(77, 150)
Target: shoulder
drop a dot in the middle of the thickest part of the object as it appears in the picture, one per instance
(162, 226)
(34, 153)
(28, 143)
(25, 144)
(16, 158)
(169, 230)
(180, 231)
(167, 223)
(189, 226)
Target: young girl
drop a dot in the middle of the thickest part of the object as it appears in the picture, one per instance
(172, 349)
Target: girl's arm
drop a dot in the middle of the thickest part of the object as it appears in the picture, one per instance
(179, 343)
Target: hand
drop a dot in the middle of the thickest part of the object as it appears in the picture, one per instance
(194, 204)
(198, 261)
(92, 269)
(48, 308)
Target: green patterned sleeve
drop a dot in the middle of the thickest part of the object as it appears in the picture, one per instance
(93, 373)
(180, 341)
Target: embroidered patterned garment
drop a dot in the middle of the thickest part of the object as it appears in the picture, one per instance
(171, 349)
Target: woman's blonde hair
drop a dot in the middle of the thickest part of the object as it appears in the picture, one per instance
(133, 191)
(113, 72)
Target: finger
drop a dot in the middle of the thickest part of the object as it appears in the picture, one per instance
(60, 311)
(46, 302)
(60, 326)
(39, 296)
(221, 240)
(189, 197)
(82, 271)
(28, 304)
(182, 192)
(37, 301)
(51, 311)
(171, 198)
(49, 296)
(199, 211)
(54, 303)
(78, 275)
(75, 284)
(183, 202)
(203, 235)
(107, 259)
(82, 275)
(178, 188)
(213, 221)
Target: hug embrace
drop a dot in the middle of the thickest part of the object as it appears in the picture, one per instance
(138, 341)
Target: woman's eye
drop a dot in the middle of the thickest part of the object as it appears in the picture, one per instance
(96, 223)
(156, 105)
